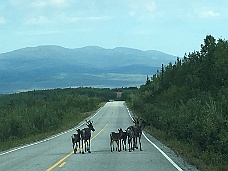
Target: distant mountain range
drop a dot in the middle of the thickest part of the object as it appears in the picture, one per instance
(45, 67)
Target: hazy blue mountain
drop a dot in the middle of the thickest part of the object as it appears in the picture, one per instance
(45, 67)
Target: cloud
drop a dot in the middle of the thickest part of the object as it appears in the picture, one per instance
(206, 12)
(2, 20)
(141, 6)
(97, 18)
(71, 19)
(38, 32)
(89, 19)
(40, 20)
(59, 3)
(39, 4)
(16, 2)
(61, 76)
(209, 13)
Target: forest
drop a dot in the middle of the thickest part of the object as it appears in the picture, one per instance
(187, 102)
(33, 115)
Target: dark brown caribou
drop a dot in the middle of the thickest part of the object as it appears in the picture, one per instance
(76, 138)
(130, 136)
(123, 139)
(115, 136)
(137, 131)
(86, 135)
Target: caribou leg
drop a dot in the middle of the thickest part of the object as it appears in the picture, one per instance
(79, 146)
(125, 144)
(129, 144)
(117, 148)
(120, 144)
(73, 144)
(75, 148)
(111, 145)
(140, 143)
(89, 146)
(82, 147)
(85, 146)
(135, 143)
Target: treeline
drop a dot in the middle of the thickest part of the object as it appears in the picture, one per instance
(27, 114)
(188, 101)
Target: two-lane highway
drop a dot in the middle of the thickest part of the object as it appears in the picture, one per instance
(56, 153)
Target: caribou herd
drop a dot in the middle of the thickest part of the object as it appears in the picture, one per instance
(132, 135)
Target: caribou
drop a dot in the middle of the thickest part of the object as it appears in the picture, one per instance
(130, 136)
(123, 138)
(137, 131)
(76, 138)
(115, 136)
(86, 135)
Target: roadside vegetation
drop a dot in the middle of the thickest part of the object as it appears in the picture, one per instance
(187, 104)
(29, 116)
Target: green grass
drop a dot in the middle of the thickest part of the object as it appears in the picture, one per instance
(36, 137)
(188, 152)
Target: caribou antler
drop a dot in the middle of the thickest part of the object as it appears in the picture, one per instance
(88, 122)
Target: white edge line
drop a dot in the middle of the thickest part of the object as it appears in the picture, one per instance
(48, 139)
(162, 152)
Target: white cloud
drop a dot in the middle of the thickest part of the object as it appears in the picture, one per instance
(89, 18)
(71, 19)
(38, 20)
(61, 76)
(40, 12)
(140, 31)
(141, 6)
(206, 12)
(16, 2)
(59, 3)
(97, 18)
(209, 13)
(39, 4)
(2, 20)
(38, 32)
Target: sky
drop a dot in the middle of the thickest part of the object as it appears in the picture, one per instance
(175, 27)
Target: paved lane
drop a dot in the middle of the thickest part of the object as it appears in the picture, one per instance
(56, 153)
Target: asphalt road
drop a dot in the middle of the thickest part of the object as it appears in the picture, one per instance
(55, 153)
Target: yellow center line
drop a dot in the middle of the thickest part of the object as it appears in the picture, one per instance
(60, 161)
(99, 132)
(63, 163)
(68, 155)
